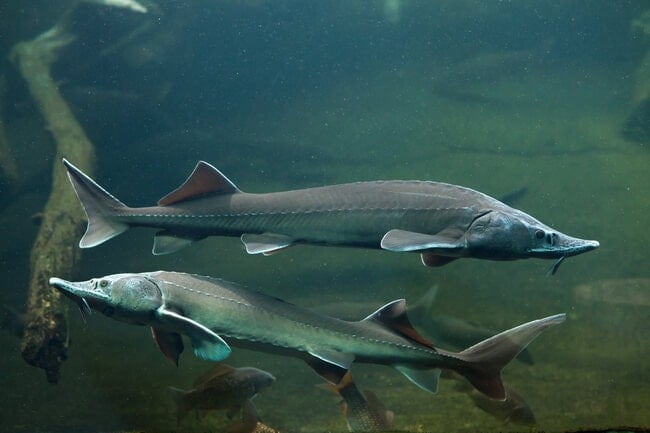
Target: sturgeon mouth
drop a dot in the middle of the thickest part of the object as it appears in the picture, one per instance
(567, 248)
(78, 292)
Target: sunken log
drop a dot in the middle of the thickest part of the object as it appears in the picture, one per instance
(45, 338)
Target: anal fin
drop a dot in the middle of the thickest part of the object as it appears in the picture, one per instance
(331, 372)
(425, 379)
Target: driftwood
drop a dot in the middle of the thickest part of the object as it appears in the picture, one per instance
(55, 252)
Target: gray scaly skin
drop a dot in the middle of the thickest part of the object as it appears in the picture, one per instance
(442, 222)
(215, 314)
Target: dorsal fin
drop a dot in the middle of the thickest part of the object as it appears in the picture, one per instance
(205, 179)
(393, 315)
(216, 372)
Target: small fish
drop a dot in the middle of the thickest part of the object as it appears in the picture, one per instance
(454, 332)
(514, 409)
(442, 222)
(362, 411)
(206, 308)
(222, 388)
(624, 291)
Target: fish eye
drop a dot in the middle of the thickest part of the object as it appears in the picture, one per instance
(539, 234)
(103, 283)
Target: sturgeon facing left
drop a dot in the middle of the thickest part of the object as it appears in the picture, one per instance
(441, 221)
(214, 314)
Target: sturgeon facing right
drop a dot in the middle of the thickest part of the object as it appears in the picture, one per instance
(214, 314)
(441, 221)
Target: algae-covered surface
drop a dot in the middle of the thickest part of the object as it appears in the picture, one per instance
(284, 95)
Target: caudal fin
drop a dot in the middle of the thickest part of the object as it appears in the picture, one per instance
(486, 359)
(99, 205)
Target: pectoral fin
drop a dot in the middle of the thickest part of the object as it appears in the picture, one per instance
(169, 343)
(207, 345)
(265, 243)
(402, 240)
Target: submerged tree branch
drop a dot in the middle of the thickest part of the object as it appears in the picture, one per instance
(45, 341)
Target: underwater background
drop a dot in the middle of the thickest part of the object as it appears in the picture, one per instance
(548, 98)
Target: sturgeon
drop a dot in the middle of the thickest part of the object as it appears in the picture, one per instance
(441, 221)
(215, 313)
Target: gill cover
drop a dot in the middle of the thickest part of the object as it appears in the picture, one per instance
(498, 236)
(133, 297)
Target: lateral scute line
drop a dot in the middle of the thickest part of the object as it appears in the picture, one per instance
(300, 212)
(303, 324)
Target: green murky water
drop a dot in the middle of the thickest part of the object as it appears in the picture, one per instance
(281, 96)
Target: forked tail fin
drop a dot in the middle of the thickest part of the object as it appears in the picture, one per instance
(486, 359)
(99, 205)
